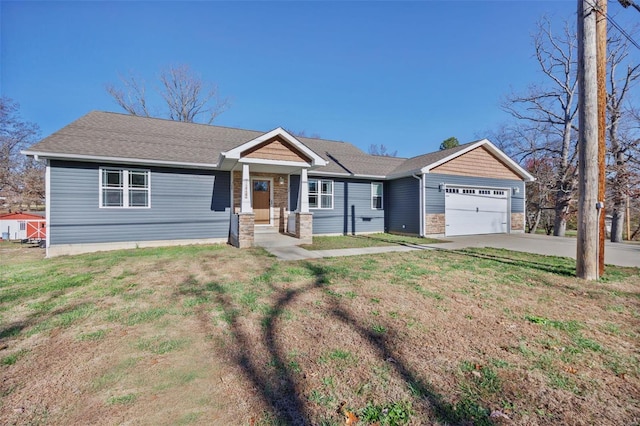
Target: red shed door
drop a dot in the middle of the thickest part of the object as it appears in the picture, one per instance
(36, 230)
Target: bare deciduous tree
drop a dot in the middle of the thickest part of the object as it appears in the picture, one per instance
(521, 142)
(381, 150)
(21, 178)
(623, 136)
(132, 96)
(186, 96)
(303, 134)
(552, 108)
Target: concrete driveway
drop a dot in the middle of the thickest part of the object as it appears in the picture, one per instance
(621, 254)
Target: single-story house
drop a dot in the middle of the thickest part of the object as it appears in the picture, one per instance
(21, 226)
(116, 181)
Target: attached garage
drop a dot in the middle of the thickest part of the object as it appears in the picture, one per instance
(471, 189)
(470, 211)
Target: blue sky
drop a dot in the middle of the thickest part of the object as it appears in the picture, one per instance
(404, 74)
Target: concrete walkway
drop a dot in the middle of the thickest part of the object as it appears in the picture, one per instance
(285, 247)
(621, 254)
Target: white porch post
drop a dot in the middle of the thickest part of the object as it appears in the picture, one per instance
(245, 206)
(303, 193)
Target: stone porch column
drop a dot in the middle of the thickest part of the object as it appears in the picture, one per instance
(245, 230)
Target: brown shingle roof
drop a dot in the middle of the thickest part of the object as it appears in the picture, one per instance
(414, 164)
(139, 139)
(113, 135)
(103, 134)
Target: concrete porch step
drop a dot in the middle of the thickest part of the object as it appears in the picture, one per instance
(257, 229)
(277, 240)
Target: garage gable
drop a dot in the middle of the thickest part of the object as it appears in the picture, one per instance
(477, 162)
(276, 149)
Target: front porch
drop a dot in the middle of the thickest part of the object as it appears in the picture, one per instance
(261, 213)
(261, 190)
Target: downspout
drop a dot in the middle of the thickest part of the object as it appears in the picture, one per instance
(422, 206)
(47, 205)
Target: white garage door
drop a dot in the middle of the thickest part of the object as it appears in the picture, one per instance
(470, 211)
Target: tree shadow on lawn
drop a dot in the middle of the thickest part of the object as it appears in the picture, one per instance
(567, 268)
(35, 319)
(395, 242)
(282, 392)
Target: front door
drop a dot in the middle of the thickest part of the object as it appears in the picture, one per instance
(262, 201)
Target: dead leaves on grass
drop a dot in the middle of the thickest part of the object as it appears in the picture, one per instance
(570, 369)
(350, 417)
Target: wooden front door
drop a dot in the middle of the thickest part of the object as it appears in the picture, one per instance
(262, 201)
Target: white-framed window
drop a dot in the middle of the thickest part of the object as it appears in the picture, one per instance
(23, 225)
(124, 188)
(376, 196)
(320, 194)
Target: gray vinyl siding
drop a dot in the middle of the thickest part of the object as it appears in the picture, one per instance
(185, 204)
(351, 213)
(403, 207)
(435, 197)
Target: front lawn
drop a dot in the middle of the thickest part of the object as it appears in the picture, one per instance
(215, 335)
(367, 240)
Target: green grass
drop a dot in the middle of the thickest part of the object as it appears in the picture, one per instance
(570, 326)
(122, 399)
(159, 346)
(149, 315)
(402, 338)
(361, 241)
(115, 374)
(14, 357)
(93, 336)
(391, 414)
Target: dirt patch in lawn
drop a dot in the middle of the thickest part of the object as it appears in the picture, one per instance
(215, 335)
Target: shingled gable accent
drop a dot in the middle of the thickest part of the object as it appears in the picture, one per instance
(276, 145)
(478, 162)
(275, 149)
(481, 159)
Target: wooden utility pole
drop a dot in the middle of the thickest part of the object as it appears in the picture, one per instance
(586, 256)
(601, 36)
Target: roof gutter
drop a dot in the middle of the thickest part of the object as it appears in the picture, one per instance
(97, 158)
(422, 206)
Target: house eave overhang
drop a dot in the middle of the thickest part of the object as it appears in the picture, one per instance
(408, 173)
(526, 176)
(236, 153)
(346, 175)
(120, 160)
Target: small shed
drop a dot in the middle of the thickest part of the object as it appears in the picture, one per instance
(21, 226)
